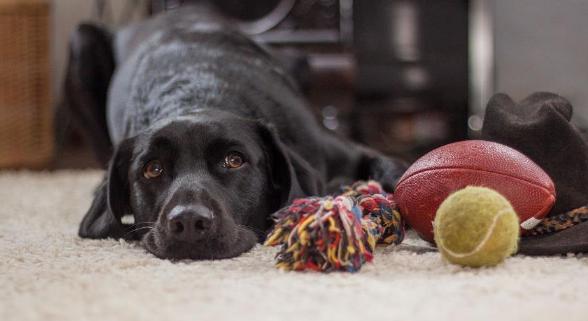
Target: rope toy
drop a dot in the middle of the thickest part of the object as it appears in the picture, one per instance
(336, 233)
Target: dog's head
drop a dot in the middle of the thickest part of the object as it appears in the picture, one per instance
(200, 187)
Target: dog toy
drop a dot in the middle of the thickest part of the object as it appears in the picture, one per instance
(476, 226)
(336, 233)
(437, 174)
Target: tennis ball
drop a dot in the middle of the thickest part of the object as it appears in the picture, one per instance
(476, 226)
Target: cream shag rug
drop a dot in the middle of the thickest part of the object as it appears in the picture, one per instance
(48, 273)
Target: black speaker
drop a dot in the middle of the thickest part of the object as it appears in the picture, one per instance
(412, 73)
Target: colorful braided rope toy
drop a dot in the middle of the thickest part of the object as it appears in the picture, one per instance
(336, 233)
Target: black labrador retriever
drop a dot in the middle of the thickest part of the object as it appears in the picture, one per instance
(211, 136)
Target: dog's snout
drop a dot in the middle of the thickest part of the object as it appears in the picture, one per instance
(189, 223)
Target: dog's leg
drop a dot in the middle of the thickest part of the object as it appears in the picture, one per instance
(348, 162)
(90, 67)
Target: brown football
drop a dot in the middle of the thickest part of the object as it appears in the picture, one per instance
(437, 174)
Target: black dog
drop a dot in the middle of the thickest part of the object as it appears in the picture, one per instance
(211, 136)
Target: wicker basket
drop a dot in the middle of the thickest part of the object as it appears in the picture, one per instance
(26, 133)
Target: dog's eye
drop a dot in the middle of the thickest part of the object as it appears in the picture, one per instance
(153, 169)
(233, 160)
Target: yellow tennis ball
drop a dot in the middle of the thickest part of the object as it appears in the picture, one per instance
(476, 226)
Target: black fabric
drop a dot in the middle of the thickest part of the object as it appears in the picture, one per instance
(539, 127)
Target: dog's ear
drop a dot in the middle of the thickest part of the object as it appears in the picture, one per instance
(290, 175)
(111, 199)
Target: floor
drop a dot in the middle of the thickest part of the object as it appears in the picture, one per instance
(48, 273)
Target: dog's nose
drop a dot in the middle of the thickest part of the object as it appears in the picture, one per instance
(189, 223)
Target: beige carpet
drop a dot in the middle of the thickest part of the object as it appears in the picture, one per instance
(48, 273)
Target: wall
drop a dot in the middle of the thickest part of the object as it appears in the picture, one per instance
(542, 45)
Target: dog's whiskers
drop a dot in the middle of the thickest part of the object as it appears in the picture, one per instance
(149, 227)
(144, 223)
(257, 231)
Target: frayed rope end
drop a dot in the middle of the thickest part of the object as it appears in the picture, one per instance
(336, 233)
